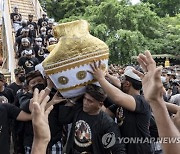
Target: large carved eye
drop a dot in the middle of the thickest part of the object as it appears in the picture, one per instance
(81, 75)
(63, 80)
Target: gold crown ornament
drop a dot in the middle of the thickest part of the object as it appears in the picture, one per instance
(70, 58)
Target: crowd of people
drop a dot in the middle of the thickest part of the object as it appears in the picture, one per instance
(170, 78)
(131, 102)
(32, 39)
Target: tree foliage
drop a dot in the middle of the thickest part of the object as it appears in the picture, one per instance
(127, 29)
(165, 7)
(59, 9)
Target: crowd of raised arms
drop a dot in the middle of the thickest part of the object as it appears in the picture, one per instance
(134, 102)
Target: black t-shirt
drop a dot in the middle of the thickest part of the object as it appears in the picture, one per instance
(83, 132)
(18, 33)
(33, 28)
(39, 53)
(42, 22)
(108, 102)
(19, 38)
(55, 126)
(48, 37)
(7, 111)
(16, 17)
(48, 29)
(87, 128)
(7, 96)
(135, 124)
(45, 50)
(44, 39)
(28, 64)
(32, 25)
(22, 49)
(16, 89)
(22, 52)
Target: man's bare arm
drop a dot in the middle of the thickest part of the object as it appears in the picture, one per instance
(153, 92)
(116, 95)
(172, 108)
(41, 128)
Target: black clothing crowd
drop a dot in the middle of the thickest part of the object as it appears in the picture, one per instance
(73, 129)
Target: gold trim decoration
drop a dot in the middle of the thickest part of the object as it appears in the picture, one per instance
(63, 80)
(75, 59)
(77, 86)
(77, 64)
(81, 75)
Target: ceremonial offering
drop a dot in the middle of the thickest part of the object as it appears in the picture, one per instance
(70, 58)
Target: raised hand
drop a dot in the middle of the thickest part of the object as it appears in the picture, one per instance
(40, 117)
(55, 100)
(35, 98)
(151, 78)
(97, 72)
(153, 92)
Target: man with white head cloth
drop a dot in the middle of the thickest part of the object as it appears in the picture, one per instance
(132, 109)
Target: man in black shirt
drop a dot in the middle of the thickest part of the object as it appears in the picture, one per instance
(91, 127)
(153, 91)
(24, 25)
(43, 35)
(17, 88)
(16, 19)
(25, 45)
(136, 111)
(32, 26)
(38, 50)
(6, 94)
(34, 80)
(49, 29)
(28, 62)
(39, 118)
(25, 34)
(43, 22)
(18, 84)
(7, 112)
